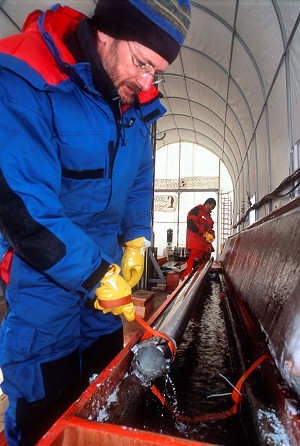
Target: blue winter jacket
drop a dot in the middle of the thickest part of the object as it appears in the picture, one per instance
(73, 184)
(68, 192)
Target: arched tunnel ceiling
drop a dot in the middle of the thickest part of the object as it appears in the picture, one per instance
(216, 90)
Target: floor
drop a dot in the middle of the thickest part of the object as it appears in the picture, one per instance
(130, 328)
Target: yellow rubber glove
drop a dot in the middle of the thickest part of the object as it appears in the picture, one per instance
(209, 237)
(133, 260)
(114, 295)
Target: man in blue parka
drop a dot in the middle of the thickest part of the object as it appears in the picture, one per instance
(77, 99)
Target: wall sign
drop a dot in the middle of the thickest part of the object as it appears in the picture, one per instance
(188, 183)
(165, 203)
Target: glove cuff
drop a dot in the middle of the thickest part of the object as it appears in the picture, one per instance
(113, 269)
(140, 242)
(136, 243)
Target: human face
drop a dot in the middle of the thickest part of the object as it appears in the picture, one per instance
(132, 68)
(210, 207)
(145, 69)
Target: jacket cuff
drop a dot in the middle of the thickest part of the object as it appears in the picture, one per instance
(93, 280)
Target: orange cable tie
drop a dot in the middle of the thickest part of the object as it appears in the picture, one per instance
(236, 396)
(162, 399)
(149, 331)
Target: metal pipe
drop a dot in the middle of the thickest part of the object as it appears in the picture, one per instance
(174, 319)
(152, 357)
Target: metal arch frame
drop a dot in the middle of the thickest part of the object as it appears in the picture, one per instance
(265, 96)
(210, 149)
(167, 98)
(226, 126)
(227, 106)
(9, 17)
(214, 92)
(227, 164)
(232, 172)
(246, 48)
(230, 78)
(287, 69)
(197, 119)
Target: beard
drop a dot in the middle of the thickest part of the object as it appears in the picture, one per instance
(132, 91)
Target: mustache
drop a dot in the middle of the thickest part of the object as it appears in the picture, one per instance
(133, 85)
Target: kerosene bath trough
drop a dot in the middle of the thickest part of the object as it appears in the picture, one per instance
(267, 298)
(78, 425)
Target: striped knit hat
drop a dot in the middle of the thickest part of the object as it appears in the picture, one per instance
(160, 25)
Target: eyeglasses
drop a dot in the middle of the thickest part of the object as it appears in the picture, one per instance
(144, 68)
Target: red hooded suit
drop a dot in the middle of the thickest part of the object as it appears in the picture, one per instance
(199, 221)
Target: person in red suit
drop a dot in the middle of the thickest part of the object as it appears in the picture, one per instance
(199, 235)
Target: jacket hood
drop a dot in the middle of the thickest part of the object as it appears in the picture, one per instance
(53, 62)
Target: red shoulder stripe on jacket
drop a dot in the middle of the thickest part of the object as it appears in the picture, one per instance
(31, 42)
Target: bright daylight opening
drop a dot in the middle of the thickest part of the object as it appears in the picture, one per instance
(187, 174)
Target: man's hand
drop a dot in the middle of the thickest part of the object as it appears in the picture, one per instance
(209, 237)
(114, 295)
(133, 260)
